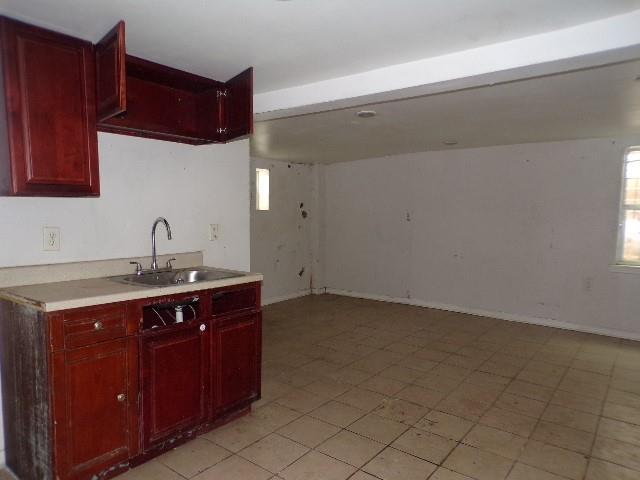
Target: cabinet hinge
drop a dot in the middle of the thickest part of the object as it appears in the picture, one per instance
(222, 93)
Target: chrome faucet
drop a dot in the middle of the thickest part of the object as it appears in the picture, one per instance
(154, 258)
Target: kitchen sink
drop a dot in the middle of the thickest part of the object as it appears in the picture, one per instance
(176, 277)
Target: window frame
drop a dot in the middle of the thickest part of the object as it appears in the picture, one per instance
(620, 262)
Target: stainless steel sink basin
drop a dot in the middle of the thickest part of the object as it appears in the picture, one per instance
(176, 277)
(192, 275)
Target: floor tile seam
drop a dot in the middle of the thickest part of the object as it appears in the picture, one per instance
(298, 411)
(198, 473)
(341, 403)
(366, 473)
(388, 446)
(284, 468)
(178, 473)
(600, 417)
(535, 427)
(616, 464)
(475, 424)
(263, 436)
(384, 446)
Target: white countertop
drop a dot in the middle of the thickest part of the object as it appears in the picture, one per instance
(50, 297)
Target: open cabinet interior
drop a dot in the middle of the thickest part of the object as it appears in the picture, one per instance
(142, 98)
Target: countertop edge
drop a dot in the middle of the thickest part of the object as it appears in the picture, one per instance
(136, 293)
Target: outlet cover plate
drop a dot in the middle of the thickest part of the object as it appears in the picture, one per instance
(214, 231)
(51, 239)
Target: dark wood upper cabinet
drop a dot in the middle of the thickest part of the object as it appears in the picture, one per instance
(238, 107)
(56, 91)
(142, 98)
(111, 74)
(48, 140)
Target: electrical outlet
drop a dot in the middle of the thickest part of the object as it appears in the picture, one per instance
(51, 239)
(214, 231)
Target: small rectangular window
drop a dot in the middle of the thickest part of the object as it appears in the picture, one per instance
(629, 227)
(262, 189)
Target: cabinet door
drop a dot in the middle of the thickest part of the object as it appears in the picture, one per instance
(238, 111)
(49, 85)
(111, 74)
(95, 408)
(237, 349)
(175, 378)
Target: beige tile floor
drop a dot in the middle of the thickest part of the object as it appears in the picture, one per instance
(369, 390)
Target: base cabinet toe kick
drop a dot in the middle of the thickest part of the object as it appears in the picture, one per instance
(91, 392)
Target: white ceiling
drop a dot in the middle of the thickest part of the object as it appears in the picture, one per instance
(301, 41)
(598, 102)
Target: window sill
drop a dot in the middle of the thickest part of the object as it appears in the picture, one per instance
(632, 269)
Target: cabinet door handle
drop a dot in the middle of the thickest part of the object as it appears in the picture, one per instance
(121, 397)
(203, 327)
(98, 325)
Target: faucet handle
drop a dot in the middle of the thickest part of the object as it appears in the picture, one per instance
(169, 262)
(138, 267)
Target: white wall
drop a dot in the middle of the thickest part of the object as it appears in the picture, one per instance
(524, 232)
(140, 179)
(282, 239)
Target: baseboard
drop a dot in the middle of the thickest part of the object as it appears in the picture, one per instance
(319, 291)
(289, 296)
(546, 322)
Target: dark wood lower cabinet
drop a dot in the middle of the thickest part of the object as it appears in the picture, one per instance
(88, 393)
(237, 353)
(175, 382)
(95, 403)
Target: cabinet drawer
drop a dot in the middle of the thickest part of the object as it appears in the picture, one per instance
(93, 325)
(234, 300)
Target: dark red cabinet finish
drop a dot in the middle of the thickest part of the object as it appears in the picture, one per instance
(49, 139)
(95, 400)
(88, 393)
(238, 106)
(58, 90)
(175, 380)
(237, 347)
(146, 99)
(111, 95)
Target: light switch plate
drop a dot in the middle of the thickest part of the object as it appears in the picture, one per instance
(51, 239)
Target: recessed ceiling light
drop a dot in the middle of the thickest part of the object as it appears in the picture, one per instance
(366, 113)
(450, 143)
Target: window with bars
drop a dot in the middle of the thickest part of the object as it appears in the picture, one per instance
(629, 226)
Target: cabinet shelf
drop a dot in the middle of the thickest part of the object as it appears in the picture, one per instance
(142, 98)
